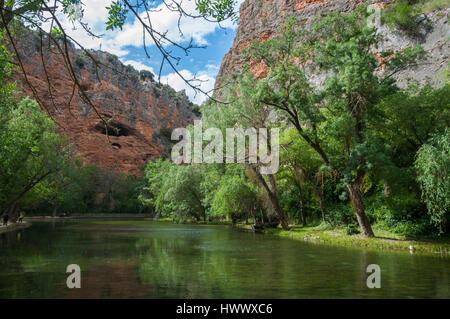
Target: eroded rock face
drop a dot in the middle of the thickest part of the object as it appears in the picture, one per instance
(260, 20)
(143, 110)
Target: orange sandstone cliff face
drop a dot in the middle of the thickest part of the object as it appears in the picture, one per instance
(260, 20)
(143, 110)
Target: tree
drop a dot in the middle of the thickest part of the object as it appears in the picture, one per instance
(302, 167)
(30, 151)
(333, 119)
(433, 174)
(244, 111)
(234, 198)
(175, 191)
(30, 148)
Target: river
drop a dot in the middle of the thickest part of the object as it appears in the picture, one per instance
(146, 259)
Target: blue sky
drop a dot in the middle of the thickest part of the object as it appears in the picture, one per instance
(127, 43)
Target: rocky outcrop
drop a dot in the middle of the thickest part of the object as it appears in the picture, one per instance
(143, 111)
(261, 20)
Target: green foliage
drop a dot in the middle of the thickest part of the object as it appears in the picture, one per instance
(335, 121)
(80, 62)
(340, 214)
(360, 127)
(433, 168)
(117, 15)
(146, 75)
(175, 191)
(218, 10)
(234, 198)
(352, 229)
(403, 15)
(30, 151)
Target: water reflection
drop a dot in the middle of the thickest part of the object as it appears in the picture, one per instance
(155, 260)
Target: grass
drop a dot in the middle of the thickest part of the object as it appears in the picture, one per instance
(383, 240)
(431, 5)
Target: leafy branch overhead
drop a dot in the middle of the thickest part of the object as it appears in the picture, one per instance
(48, 17)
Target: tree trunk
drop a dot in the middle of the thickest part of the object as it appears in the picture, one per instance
(253, 213)
(55, 211)
(302, 214)
(356, 199)
(276, 203)
(320, 198)
(321, 206)
(273, 197)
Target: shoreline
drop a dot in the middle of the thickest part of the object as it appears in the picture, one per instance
(383, 241)
(14, 226)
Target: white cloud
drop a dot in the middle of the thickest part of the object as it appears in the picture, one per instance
(138, 65)
(206, 84)
(162, 18)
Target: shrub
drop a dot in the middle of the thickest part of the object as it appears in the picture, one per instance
(80, 62)
(403, 15)
(146, 75)
(340, 214)
(352, 229)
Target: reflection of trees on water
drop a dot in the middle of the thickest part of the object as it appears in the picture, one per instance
(179, 261)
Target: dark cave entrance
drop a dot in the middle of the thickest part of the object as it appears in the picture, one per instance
(113, 129)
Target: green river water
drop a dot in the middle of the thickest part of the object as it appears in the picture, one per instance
(145, 259)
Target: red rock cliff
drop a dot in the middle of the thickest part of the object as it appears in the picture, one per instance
(261, 20)
(143, 110)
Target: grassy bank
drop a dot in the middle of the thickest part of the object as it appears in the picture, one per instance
(383, 240)
(324, 234)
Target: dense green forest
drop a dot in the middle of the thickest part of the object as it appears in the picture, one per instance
(355, 151)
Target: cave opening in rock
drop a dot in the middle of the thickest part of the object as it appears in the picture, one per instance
(116, 146)
(114, 129)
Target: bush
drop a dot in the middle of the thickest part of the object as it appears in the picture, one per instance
(403, 15)
(421, 227)
(340, 214)
(80, 62)
(352, 229)
(146, 75)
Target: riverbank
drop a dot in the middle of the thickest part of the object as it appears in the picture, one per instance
(14, 226)
(383, 239)
(94, 216)
(317, 234)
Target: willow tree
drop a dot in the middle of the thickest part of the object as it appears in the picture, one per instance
(332, 115)
(433, 167)
(244, 111)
